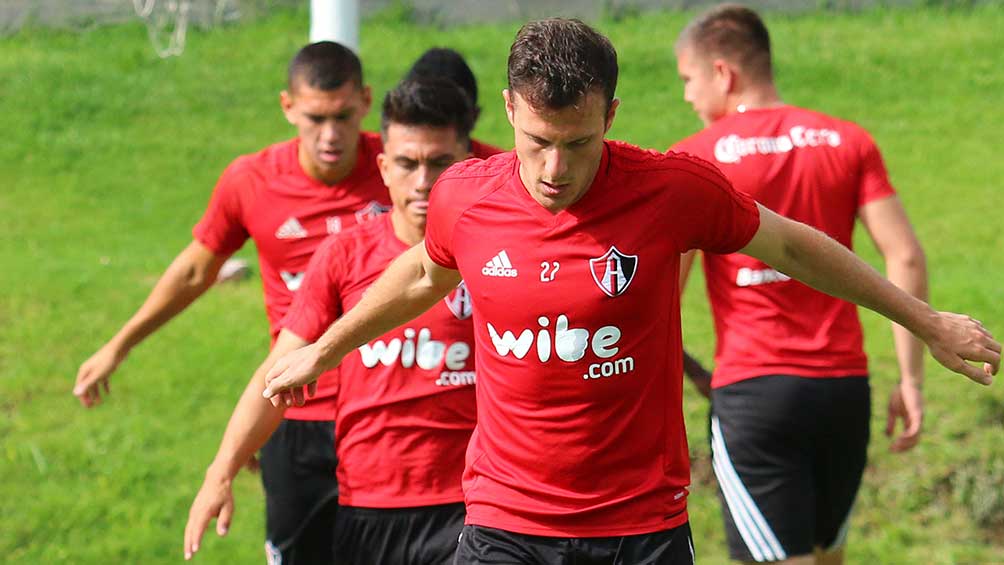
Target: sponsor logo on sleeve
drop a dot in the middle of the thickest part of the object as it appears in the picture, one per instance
(333, 224)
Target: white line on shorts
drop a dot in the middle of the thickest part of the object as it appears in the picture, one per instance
(759, 537)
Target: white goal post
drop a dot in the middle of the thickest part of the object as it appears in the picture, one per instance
(335, 20)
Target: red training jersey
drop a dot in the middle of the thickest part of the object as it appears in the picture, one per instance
(577, 330)
(811, 168)
(268, 197)
(481, 150)
(406, 399)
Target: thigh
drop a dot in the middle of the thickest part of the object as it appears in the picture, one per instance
(668, 547)
(301, 492)
(841, 455)
(424, 535)
(365, 536)
(436, 534)
(490, 546)
(761, 435)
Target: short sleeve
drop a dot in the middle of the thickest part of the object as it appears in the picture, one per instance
(682, 146)
(873, 178)
(482, 150)
(713, 216)
(317, 304)
(222, 228)
(442, 218)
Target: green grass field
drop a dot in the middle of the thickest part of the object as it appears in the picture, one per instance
(109, 156)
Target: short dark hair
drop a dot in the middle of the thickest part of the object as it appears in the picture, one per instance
(431, 102)
(443, 62)
(735, 33)
(553, 63)
(325, 65)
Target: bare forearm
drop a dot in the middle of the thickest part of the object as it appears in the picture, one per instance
(254, 420)
(820, 262)
(187, 278)
(909, 274)
(693, 368)
(403, 292)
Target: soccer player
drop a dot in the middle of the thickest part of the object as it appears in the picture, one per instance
(405, 404)
(448, 63)
(287, 198)
(443, 62)
(570, 249)
(790, 395)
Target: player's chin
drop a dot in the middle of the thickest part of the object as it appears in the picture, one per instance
(330, 157)
(418, 218)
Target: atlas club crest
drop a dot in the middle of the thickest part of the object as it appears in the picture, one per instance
(459, 302)
(613, 271)
(370, 211)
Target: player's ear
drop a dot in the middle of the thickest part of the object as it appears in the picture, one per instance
(509, 106)
(383, 163)
(611, 113)
(367, 99)
(722, 75)
(286, 103)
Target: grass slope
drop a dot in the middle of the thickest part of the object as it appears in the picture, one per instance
(109, 156)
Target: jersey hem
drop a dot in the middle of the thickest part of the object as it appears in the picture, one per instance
(320, 412)
(520, 527)
(859, 372)
(389, 503)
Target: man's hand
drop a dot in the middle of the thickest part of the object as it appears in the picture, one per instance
(285, 381)
(93, 375)
(906, 403)
(958, 339)
(215, 500)
(253, 465)
(697, 375)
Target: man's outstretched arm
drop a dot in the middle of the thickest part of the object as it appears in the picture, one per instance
(254, 420)
(808, 255)
(906, 267)
(692, 368)
(191, 273)
(412, 284)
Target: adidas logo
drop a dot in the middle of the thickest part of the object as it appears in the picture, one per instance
(291, 229)
(292, 280)
(499, 266)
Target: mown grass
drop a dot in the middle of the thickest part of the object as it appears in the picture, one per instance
(109, 155)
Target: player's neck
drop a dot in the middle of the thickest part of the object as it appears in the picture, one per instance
(405, 230)
(755, 97)
(330, 175)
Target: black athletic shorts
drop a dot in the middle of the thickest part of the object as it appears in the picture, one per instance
(421, 535)
(489, 546)
(301, 492)
(788, 453)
